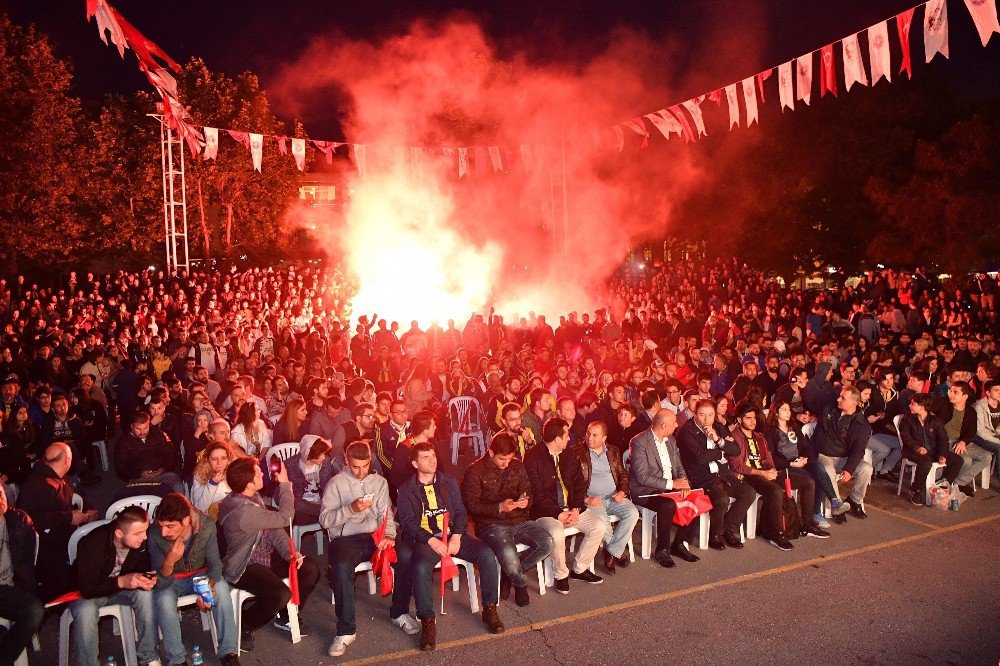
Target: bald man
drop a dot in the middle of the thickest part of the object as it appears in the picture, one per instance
(48, 499)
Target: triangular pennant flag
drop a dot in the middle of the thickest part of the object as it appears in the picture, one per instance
(763, 76)
(241, 137)
(494, 152)
(619, 137)
(693, 107)
(715, 96)
(463, 161)
(257, 150)
(639, 127)
(685, 125)
(878, 52)
(786, 95)
(361, 158)
(299, 153)
(211, 143)
(481, 167)
(984, 15)
(106, 23)
(282, 144)
(734, 105)
(804, 77)
(326, 147)
(854, 66)
(750, 99)
(903, 22)
(935, 29)
(827, 71)
(526, 156)
(666, 123)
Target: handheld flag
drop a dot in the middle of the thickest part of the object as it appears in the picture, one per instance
(293, 568)
(383, 560)
(448, 567)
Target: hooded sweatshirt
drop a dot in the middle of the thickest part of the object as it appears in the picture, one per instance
(339, 519)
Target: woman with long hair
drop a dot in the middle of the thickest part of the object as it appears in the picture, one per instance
(291, 426)
(209, 486)
(17, 453)
(251, 433)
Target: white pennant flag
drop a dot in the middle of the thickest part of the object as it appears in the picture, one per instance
(463, 161)
(299, 153)
(734, 106)
(694, 108)
(854, 66)
(750, 99)
(494, 152)
(785, 93)
(619, 137)
(256, 149)
(211, 143)
(361, 158)
(666, 123)
(878, 52)
(804, 76)
(984, 15)
(935, 29)
(526, 156)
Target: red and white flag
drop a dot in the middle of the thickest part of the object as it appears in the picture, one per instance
(694, 108)
(325, 147)
(854, 66)
(935, 29)
(495, 158)
(750, 99)
(619, 137)
(984, 15)
(257, 150)
(361, 158)
(664, 121)
(639, 127)
(761, 77)
(734, 105)
(804, 77)
(903, 22)
(282, 144)
(463, 161)
(688, 133)
(299, 153)
(786, 95)
(827, 71)
(211, 143)
(878, 52)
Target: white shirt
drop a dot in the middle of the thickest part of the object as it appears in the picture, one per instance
(664, 453)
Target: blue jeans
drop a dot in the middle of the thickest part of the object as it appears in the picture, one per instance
(473, 551)
(169, 619)
(85, 632)
(346, 553)
(884, 452)
(503, 539)
(618, 535)
(992, 448)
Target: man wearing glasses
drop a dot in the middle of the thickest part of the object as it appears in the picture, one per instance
(360, 429)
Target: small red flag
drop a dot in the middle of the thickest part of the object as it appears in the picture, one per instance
(293, 572)
(448, 567)
(383, 560)
(827, 71)
(788, 485)
(903, 21)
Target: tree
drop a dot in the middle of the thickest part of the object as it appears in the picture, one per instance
(40, 159)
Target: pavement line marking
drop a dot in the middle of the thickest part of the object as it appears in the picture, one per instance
(666, 596)
(902, 517)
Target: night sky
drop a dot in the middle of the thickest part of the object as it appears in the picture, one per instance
(235, 35)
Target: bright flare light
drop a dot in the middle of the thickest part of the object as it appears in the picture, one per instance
(410, 261)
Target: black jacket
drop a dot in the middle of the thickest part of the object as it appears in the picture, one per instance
(541, 471)
(46, 434)
(49, 501)
(21, 539)
(133, 456)
(485, 485)
(891, 407)
(412, 507)
(839, 437)
(968, 432)
(95, 560)
(930, 435)
(696, 457)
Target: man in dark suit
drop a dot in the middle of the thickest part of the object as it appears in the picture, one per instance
(655, 467)
(704, 446)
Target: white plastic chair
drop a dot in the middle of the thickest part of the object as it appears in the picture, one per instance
(539, 570)
(470, 574)
(299, 531)
(207, 621)
(240, 596)
(121, 613)
(102, 450)
(364, 567)
(282, 451)
(907, 463)
(147, 502)
(465, 417)
(77, 502)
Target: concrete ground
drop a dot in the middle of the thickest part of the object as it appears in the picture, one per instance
(907, 585)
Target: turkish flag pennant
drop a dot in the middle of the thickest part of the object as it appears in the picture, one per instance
(688, 133)
(786, 95)
(149, 54)
(463, 161)
(693, 107)
(107, 25)
(639, 127)
(619, 137)
(448, 567)
(827, 72)
(984, 15)
(935, 29)
(903, 22)
(325, 147)
(763, 76)
(211, 143)
(482, 168)
(716, 96)
(525, 151)
(804, 77)
(750, 100)
(854, 65)
(878, 52)
(293, 569)
(734, 105)
(241, 137)
(299, 153)
(282, 144)
(257, 150)
(664, 121)
(494, 152)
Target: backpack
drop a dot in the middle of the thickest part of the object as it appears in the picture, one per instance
(790, 518)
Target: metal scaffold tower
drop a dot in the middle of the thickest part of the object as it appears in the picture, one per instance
(174, 197)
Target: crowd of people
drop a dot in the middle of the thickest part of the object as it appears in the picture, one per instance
(702, 377)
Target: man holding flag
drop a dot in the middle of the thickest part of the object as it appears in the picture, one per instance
(358, 520)
(432, 522)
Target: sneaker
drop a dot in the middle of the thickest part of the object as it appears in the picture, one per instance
(780, 542)
(587, 577)
(969, 490)
(230, 659)
(285, 625)
(562, 585)
(917, 497)
(840, 508)
(732, 540)
(246, 642)
(407, 623)
(623, 561)
(816, 531)
(521, 596)
(339, 645)
(505, 586)
(821, 522)
(857, 510)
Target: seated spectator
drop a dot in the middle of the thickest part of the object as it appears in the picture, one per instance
(291, 426)
(840, 441)
(209, 487)
(883, 406)
(325, 422)
(113, 567)
(925, 442)
(250, 431)
(988, 422)
(422, 429)
(63, 426)
(309, 470)
(18, 451)
(195, 441)
(19, 603)
(182, 543)
(390, 435)
(607, 492)
(257, 548)
(424, 500)
(497, 494)
(959, 419)
(558, 491)
(355, 503)
(146, 454)
(540, 407)
(48, 500)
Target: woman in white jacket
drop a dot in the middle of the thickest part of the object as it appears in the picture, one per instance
(251, 432)
(209, 485)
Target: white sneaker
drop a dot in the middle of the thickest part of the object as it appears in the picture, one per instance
(339, 645)
(407, 624)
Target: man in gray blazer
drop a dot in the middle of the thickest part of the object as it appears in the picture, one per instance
(655, 467)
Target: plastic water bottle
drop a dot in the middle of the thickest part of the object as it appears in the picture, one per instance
(197, 658)
(111, 661)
